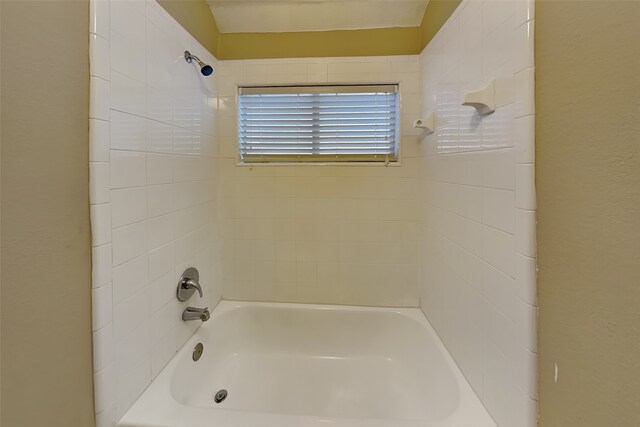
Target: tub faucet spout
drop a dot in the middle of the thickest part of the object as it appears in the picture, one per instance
(193, 313)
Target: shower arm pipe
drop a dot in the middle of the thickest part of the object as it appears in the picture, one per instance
(188, 56)
(205, 69)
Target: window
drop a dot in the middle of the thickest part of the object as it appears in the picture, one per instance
(356, 123)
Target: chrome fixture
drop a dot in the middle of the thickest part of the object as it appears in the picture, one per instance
(220, 396)
(188, 284)
(205, 69)
(197, 352)
(193, 313)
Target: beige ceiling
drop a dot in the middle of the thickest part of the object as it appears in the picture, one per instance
(257, 16)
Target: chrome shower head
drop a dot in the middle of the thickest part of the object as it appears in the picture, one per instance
(205, 69)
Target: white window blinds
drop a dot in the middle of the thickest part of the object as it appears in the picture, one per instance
(318, 123)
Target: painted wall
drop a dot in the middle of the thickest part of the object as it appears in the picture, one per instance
(478, 204)
(320, 233)
(46, 264)
(435, 15)
(153, 194)
(370, 42)
(197, 18)
(588, 179)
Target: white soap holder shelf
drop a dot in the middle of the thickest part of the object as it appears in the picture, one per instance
(428, 124)
(483, 100)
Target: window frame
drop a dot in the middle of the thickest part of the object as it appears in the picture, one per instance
(319, 159)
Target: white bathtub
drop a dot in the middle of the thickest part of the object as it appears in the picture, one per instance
(294, 365)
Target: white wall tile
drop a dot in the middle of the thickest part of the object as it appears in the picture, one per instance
(104, 388)
(125, 58)
(99, 18)
(99, 183)
(101, 264)
(130, 314)
(132, 350)
(130, 277)
(525, 186)
(526, 232)
(162, 290)
(525, 96)
(159, 104)
(101, 303)
(498, 249)
(526, 279)
(161, 261)
(99, 57)
(130, 386)
(160, 199)
(501, 292)
(100, 224)
(127, 19)
(523, 49)
(127, 132)
(160, 231)
(128, 169)
(132, 61)
(103, 347)
(106, 418)
(498, 209)
(99, 101)
(498, 169)
(159, 51)
(127, 94)
(286, 221)
(98, 140)
(163, 323)
(524, 11)
(128, 205)
(527, 369)
(526, 323)
(129, 242)
(525, 139)
(495, 41)
(162, 351)
(139, 5)
(133, 367)
(159, 137)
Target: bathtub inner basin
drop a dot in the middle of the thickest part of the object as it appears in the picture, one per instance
(296, 365)
(333, 363)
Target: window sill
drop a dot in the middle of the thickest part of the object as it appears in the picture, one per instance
(267, 164)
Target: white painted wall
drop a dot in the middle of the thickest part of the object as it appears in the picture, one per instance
(153, 194)
(345, 234)
(478, 203)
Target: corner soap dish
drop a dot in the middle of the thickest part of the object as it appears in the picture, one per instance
(483, 100)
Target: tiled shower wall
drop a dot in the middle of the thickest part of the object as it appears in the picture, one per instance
(153, 195)
(478, 203)
(340, 234)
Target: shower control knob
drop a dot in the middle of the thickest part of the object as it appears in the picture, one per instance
(189, 283)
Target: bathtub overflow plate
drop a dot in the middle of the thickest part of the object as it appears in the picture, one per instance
(220, 396)
(197, 352)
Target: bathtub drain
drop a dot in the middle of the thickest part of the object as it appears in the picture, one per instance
(220, 396)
